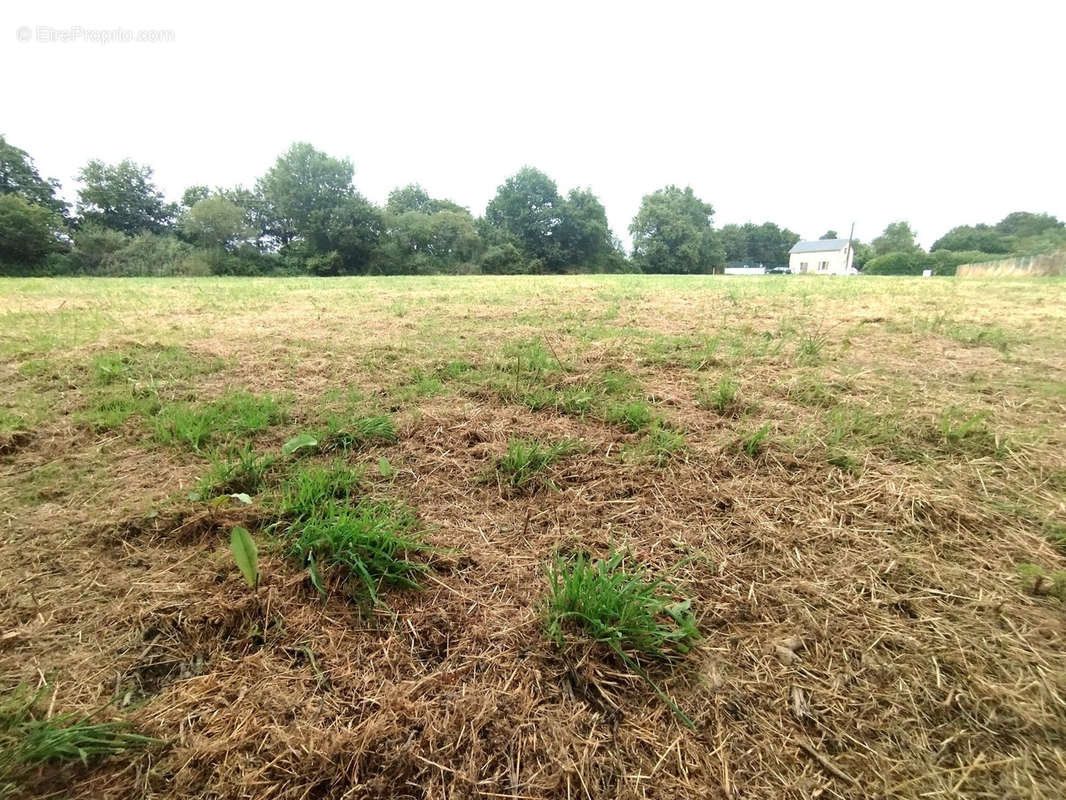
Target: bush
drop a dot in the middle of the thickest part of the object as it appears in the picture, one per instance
(941, 262)
(28, 232)
(504, 259)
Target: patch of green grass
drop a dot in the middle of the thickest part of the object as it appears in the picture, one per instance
(617, 383)
(754, 442)
(958, 430)
(633, 416)
(616, 604)
(812, 392)
(526, 462)
(576, 401)
(351, 434)
(1040, 581)
(811, 348)
(529, 356)
(233, 415)
(976, 335)
(243, 473)
(422, 384)
(660, 444)
(113, 404)
(721, 397)
(370, 543)
(311, 490)
(30, 738)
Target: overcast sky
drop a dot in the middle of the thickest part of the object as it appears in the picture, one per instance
(811, 115)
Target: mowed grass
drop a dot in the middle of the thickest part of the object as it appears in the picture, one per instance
(360, 427)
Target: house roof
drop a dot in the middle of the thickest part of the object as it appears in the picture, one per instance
(820, 246)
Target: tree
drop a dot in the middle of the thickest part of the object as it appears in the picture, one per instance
(672, 233)
(214, 222)
(757, 244)
(122, 197)
(193, 195)
(897, 238)
(305, 189)
(1025, 223)
(973, 237)
(584, 239)
(18, 175)
(829, 234)
(28, 232)
(526, 210)
(410, 198)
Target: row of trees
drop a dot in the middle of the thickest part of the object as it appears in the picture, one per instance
(304, 215)
(896, 251)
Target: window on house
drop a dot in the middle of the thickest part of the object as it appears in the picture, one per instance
(823, 266)
(803, 266)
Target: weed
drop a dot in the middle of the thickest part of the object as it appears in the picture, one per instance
(244, 474)
(246, 554)
(1040, 581)
(633, 416)
(370, 541)
(526, 462)
(810, 349)
(353, 434)
(619, 606)
(29, 738)
(659, 445)
(754, 442)
(722, 397)
(235, 414)
(311, 489)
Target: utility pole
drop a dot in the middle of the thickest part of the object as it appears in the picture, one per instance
(847, 254)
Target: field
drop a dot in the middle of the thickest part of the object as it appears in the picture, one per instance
(581, 537)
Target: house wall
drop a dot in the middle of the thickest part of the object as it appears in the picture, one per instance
(837, 263)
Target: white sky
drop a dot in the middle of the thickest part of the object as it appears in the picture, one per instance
(811, 115)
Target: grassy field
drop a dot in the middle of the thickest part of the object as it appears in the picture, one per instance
(602, 537)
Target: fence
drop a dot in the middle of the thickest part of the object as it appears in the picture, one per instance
(1040, 265)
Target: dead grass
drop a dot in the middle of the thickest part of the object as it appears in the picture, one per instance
(865, 633)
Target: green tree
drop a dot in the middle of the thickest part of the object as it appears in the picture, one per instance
(307, 190)
(122, 197)
(193, 195)
(584, 239)
(973, 237)
(897, 238)
(829, 234)
(526, 210)
(28, 232)
(214, 222)
(1026, 223)
(672, 233)
(18, 175)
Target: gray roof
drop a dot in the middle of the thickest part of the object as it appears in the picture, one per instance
(819, 246)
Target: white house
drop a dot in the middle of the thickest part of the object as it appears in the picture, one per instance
(823, 257)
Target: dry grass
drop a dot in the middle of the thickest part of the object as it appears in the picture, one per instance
(865, 631)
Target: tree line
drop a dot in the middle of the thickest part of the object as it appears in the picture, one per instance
(305, 216)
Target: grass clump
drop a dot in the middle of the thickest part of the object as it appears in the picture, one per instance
(526, 462)
(659, 445)
(29, 738)
(1040, 581)
(721, 398)
(311, 490)
(235, 414)
(353, 434)
(754, 442)
(244, 473)
(633, 416)
(370, 542)
(619, 606)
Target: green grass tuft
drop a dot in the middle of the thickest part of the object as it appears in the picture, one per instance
(633, 416)
(29, 739)
(235, 414)
(369, 542)
(526, 462)
(353, 434)
(721, 398)
(754, 442)
(244, 473)
(311, 490)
